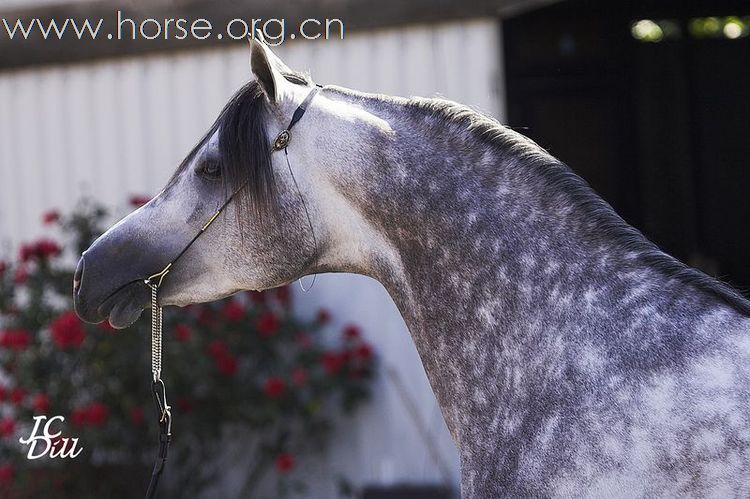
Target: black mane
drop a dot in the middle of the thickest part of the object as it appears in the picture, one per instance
(245, 151)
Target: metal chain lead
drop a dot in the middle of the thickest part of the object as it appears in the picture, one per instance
(156, 329)
(154, 282)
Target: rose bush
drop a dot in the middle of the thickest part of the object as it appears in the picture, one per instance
(245, 364)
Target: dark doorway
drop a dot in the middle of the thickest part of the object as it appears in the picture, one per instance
(654, 115)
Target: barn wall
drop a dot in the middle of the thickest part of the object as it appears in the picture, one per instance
(114, 128)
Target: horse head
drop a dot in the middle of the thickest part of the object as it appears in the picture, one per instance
(272, 232)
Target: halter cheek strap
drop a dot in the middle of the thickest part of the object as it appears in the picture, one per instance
(282, 139)
(155, 281)
(281, 143)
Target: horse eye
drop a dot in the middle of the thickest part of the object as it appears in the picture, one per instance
(211, 169)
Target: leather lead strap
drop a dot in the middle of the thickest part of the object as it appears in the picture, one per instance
(165, 435)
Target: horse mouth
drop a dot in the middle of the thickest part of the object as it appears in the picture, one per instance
(124, 306)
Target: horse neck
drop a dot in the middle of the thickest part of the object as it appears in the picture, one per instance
(500, 271)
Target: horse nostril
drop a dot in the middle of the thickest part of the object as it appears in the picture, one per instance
(78, 276)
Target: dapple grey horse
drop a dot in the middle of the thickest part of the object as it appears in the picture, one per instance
(569, 355)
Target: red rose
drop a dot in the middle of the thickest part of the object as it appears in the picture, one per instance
(21, 275)
(227, 365)
(324, 316)
(98, 414)
(267, 324)
(3, 393)
(26, 252)
(136, 416)
(50, 217)
(39, 250)
(79, 417)
(351, 332)
(364, 352)
(184, 405)
(217, 349)
(40, 403)
(138, 201)
(15, 339)
(233, 311)
(182, 332)
(47, 248)
(17, 395)
(67, 331)
(283, 295)
(6, 474)
(284, 462)
(94, 414)
(332, 362)
(7, 427)
(299, 376)
(274, 387)
(356, 373)
(257, 297)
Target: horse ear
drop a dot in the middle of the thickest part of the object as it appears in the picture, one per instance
(267, 68)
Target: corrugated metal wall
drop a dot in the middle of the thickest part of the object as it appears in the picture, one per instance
(115, 128)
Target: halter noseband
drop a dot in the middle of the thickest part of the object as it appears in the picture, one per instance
(158, 389)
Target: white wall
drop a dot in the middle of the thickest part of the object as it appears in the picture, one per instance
(115, 128)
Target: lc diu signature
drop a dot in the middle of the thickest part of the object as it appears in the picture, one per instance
(46, 442)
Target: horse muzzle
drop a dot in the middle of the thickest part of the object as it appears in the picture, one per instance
(97, 296)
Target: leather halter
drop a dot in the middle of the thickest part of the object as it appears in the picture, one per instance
(158, 389)
(280, 143)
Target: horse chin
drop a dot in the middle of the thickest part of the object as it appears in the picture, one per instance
(124, 314)
(124, 307)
